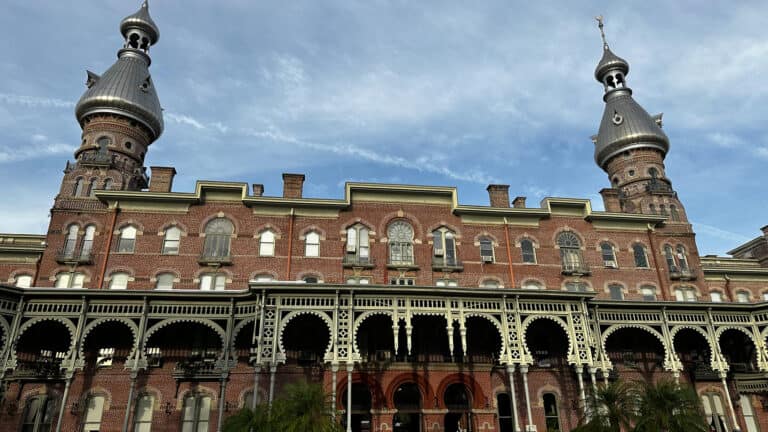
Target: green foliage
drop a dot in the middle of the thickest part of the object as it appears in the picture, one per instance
(643, 407)
(301, 407)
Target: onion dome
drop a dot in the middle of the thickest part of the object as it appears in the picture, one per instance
(142, 22)
(126, 88)
(625, 124)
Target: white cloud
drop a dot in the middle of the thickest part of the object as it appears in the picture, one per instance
(34, 101)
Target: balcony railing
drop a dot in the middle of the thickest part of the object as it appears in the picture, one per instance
(678, 273)
(659, 187)
(45, 365)
(207, 258)
(446, 264)
(96, 159)
(351, 261)
(81, 254)
(575, 268)
(198, 364)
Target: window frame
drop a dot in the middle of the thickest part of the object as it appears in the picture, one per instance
(267, 241)
(312, 249)
(358, 244)
(645, 296)
(571, 257)
(216, 282)
(447, 256)
(169, 241)
(126, 239)
(140, 425)
(616, 291)
(86, 423)
(485, 244)
(218, 238)
(162, 276)
(640, 255)
(45, 411)
(196, 422)
(117, 277)
(74, 279)
(528, 256)
(19, 277)
(608, 255)
(400, 249)
(551, 417)
(742, 296)
(687, 294)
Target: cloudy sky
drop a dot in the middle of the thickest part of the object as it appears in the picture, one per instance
(423, 92)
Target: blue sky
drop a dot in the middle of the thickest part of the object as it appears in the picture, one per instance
(421, 92)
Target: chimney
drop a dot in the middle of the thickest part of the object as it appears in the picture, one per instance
(499, 195)
(162, 179)
(765, 231)
(293, 184)
(518, 202)
(611, 200)
(258, 189)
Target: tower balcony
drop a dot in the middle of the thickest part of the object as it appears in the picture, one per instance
(658, 187)
(96, 159)
(82, 254)
(683, 274)
(352, 261)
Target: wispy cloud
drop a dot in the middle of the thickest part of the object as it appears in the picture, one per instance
(720, 233)
(38, 146)
(34, 101)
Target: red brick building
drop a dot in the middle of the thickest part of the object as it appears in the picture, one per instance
(143, 308)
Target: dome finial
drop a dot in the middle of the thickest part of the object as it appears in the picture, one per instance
(601, 24)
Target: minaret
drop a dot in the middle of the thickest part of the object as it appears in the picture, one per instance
(120, 116)
(630, 147)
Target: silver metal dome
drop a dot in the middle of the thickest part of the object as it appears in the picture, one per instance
(625, 126)
(610, 61)
(141, 21)
(126, 89)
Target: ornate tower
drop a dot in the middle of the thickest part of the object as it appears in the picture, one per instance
(120, 116)
(630, 147)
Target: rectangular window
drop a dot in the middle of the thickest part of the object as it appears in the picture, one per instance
(171, 241)
(312, 245)
(196, 414)
(402, 281)
(144, 409)
(749, 413)
(213, 282)
(576, 286)
(38, 414)
(685, 294)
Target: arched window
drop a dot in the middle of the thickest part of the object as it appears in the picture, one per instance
(213, 282)
(641, 258)
(653, 172)
(38, 414)
(267, 243)
(195, 413)
(400, 234)
(674, 212)
(576, 286)
(716, 297)
(69, 280)
(490, 283)
(527, 250)
(444, 248)
(608, 254)
(103, 143)
(551, 412)
(264, 277)
(670, 257)
(532, 285)
(165, 281)
(70, 243)
(358, 245)
(108, 184)
(652, 208)
(91, 192)
(504, 409)
(127, 240)
(486, 250)
(742, 297)
(218, 234)
(145, 405)
(685, 293)
(23, 281)
(312, 244)
(663, 210)
(119, 280)
(171, 241)
(682, 258)
(648, 292)
(311, 279)
(616, 291)
(78, 191)
(570, 252)
(94, 408)
(714, 411)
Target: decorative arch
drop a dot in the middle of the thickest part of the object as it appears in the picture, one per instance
(370, 381)
(238, 328)
(474, 388)
(130, 222)
(527, 236)
(227, 216)
(287, 319)
(66, 321)
(496, 279)
(173, 223)
(612, 329)
(169, 321)
(310, 273)
(720, 330)
(427, 393)
(359, 321)
(198, 389)
(6, 329)
(312, 228)
(355, 221)
(676, 329)
(95, 323)
(97, 391)
(443, 224)
(567, 229)
(495, 322)
(485, 234)
(559, 321)
(268, 227)
(388, 219)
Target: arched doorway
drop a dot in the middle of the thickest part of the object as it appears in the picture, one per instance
(305, 340)
(407, 399)
(635, 351)
(459, 404)
(361, 407)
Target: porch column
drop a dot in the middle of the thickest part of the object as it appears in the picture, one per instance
(67, 383)
(129, 404)
(734, 420)
(350, 366)
(524, 371)
(582, 395)
(272, 371)
(593, 378)
(511, 373)
(334, 370)
(256, 377)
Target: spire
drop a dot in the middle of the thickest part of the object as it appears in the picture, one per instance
(126, 88)
(625, 124)
(612, 69)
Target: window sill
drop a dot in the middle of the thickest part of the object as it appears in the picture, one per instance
(413, 267)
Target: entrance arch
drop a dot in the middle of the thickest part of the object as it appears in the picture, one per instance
(458, 401)
(361, 407)
(305, 339)
(408, 403)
